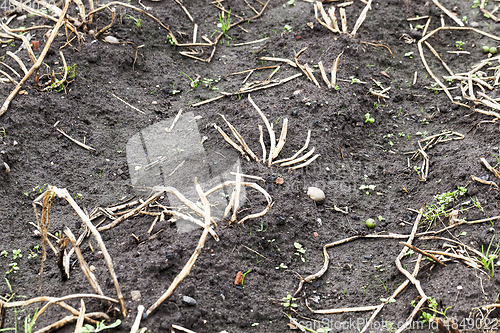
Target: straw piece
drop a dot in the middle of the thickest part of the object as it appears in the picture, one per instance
(269, 129)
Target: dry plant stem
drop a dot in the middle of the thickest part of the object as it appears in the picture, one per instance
(421, 52)
(343, 310)
(456, 225)
(13, 93)
(299, 152)
(81, 316)
(109, 26)
(231, 142)
(207, 101)
(8, 77)
(323, 23)
(393, 296)
(488, 166)
(11, 69)
(272, 136)
(64, 76)
(287, 61)
(52, 300)
(75, 141)
(137, 322)
(185, 10)
(409, 276)
(450, 14)
(282, 139)
(117, 3)
(437, 56)
(131, 213)
(216, 41)
(361, 18)
(335, 25)
(456, 256)
(310, 72)
(176, 119)
(18, 60)
(193, 220)
(298, 160)
(180, 328)
(425, 253)
(83, 264)
(262, 144)
(252, 185)
(327, 256)
(189, 265)
(68, 320)
(249, 176)
(325, 17)
(44, 225)
(63, 193)
(251, 70)
(26, 43)
(323, 74)
(306, 163)
(240, 139)
(334, 70)
(343, 18)
(482, 181)
(237, 192)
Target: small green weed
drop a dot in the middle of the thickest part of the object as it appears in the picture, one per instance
(299, 250)
(289, 301)
(99, 327)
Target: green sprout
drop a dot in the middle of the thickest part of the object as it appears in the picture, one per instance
(369, 119)
(225, 22)
(299, 250)
(289, 301)
(137, 21)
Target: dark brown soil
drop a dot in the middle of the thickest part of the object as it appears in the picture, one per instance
(353, 153)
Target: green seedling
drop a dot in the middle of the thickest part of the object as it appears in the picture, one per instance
(13, 268)
(459, 43)
(299, 250)
(29, 322)
(137, 21)
(287, 28)
(243, 276)
(289, 301)
(409, 55)
(487, 258)
(367, 188)
(369, 119)
(2, 131)
(194, 83)
(431, 306)
(354, 80)
(282, 265)
(99, 327)
(16, 254)
(170, 40)
(225, 22)
(4, 253)
(438, 208)
(383, 284)
(208, 83)
(262, 227)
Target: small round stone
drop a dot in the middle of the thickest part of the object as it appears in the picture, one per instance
(316, 194)
(189, 300)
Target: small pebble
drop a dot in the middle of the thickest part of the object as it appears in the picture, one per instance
(111, 40)
(316, 234)
(189, 300)
(136, 295)
(485, 177)
(316, 194)
(154, 102)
